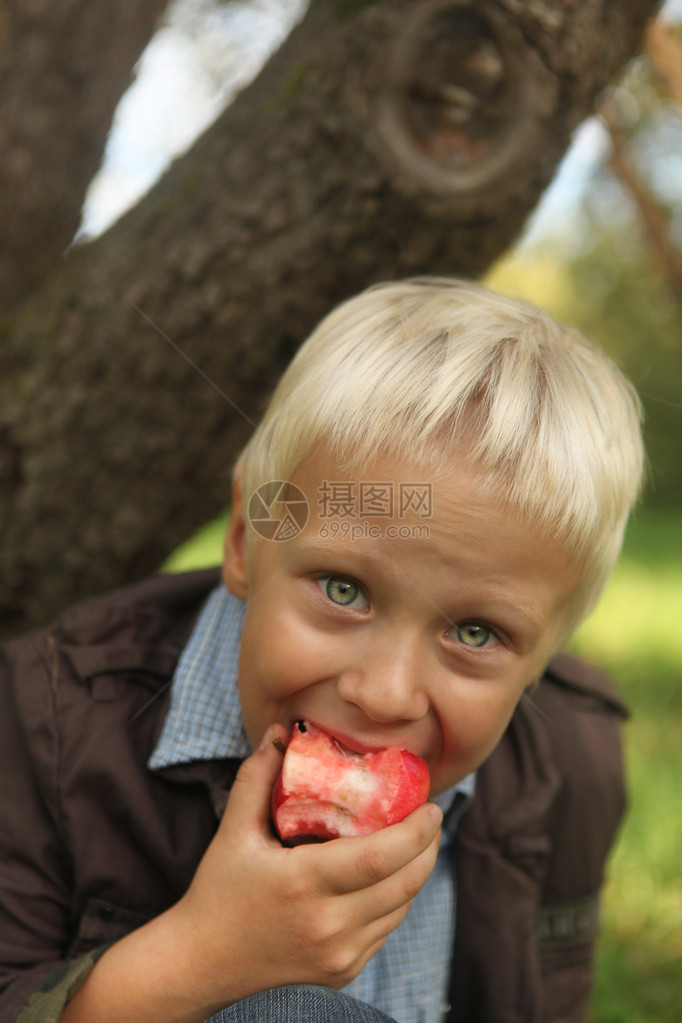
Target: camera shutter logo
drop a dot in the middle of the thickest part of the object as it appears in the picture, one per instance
(278, 510)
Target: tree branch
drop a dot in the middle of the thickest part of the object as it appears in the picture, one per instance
(65, 65)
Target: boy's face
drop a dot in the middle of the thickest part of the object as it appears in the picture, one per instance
(412, 631)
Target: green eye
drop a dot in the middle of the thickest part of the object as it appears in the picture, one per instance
(474, 635)
(345, 592)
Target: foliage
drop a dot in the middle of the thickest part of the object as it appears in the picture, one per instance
(613, 267)
(635, 634)
(611, 291)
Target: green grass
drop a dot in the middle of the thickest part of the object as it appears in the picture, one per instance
(636, 634)
(202, 550)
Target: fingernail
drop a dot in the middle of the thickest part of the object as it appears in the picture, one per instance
(267, 738)
(436, 813)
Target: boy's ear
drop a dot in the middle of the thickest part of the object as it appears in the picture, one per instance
(235, 560)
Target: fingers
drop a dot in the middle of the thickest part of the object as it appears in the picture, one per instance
(386, 902)
(351, 864)
(349, 959)
(252, 790)
(312, 914)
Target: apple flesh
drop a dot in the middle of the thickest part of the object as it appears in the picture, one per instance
(326, 790)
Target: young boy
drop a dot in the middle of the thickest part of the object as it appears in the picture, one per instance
(434, 499)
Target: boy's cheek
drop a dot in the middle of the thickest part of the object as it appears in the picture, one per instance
(470, 743)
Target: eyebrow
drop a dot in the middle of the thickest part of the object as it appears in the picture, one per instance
(521, 619)
(527, 618)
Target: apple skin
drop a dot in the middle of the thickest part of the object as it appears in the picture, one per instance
(326, 790)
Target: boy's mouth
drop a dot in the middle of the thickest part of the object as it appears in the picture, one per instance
(328, 789)
(347, 743)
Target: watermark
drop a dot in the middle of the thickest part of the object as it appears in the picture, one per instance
(347, 509)
(346, 530)
(343, 499)
(278, 510)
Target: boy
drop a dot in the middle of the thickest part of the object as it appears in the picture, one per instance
(460, 471)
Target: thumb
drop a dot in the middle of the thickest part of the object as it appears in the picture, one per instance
(252, 789)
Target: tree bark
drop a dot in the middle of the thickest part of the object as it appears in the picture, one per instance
(64, 66)
(383, 139)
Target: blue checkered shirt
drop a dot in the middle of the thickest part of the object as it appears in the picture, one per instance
(408, 978)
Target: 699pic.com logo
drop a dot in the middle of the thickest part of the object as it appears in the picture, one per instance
(278, 510)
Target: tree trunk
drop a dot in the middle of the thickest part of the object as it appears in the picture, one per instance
(383, 139)
(64, 65)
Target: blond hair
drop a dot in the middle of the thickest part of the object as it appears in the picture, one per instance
(420, 369)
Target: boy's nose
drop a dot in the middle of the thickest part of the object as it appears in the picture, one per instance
(389, 685)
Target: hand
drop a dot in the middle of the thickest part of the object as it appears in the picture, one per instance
(258, 915)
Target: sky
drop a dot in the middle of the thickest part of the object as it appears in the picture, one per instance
(194, 65)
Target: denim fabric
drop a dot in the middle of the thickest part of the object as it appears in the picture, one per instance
(300, 1003)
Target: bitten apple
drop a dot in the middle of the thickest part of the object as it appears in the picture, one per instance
(326, 790)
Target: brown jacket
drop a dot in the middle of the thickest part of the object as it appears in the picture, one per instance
(92, 843)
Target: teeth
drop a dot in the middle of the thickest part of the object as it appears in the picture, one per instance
(349, 752)
(345, 751)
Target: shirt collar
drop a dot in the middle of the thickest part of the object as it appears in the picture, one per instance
(204, 721)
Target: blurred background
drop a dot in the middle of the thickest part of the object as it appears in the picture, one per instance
(602, 251)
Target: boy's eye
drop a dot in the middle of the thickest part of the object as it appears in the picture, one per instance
(341, 590)
(474, 635)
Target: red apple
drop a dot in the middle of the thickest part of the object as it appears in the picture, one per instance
(326, 790)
